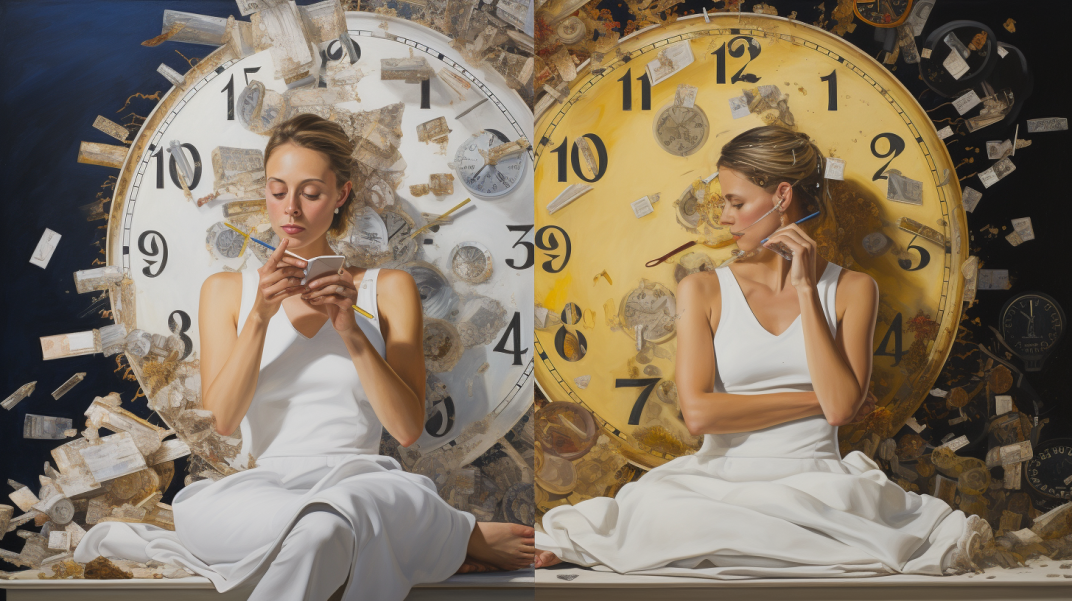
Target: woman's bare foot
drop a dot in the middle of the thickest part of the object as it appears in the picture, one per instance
(472, 566)
(504, 546)
(546, 559)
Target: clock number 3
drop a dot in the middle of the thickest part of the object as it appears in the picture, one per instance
(530, 257)
(738, 52)
(153, 250)
(179, 323)
(159, 156)
(638, 407)
(575, 159)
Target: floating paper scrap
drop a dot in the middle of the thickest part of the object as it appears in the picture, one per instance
(955, 65)
(993, 279)
(111, 128)
(907, 43)
(247, 7)
(964, 103)
(570, 194)
(970, 271)
(739, 107)
(912, 423)
(1048, 124)
(279, 29)
(238, 172)
(500, 151)
(582, 382)
(169, 451)
(432, 131)
(998, 149)
(412, 70)
(170, 74)
(928, 233)
(917, 19)
(956, 443)
(441, 184)
(835, 168)
(68, 385)
(903, 189)
(669, 61)
(45, 247)
(1002, 404)
(945, 132)
(105, 155)
(112, 457)
(24, 391)
(685, 95)
(1023, 231)
(324, 22)
(997, 172)
(457, 84)
(971, 198)
(1013, 453)
(70, 345)
(642, 207)
(45, 427)
(194, 28)
(90, 280)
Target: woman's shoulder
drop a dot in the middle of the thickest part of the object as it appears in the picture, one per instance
(222, 291)
(223, 282)
(858, 286)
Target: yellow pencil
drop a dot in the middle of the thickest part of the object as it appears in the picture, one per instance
(440, 218)
(363, 312)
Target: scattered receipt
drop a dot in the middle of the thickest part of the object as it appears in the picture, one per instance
(45, 247)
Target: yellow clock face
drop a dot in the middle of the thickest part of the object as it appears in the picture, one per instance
(640, 180)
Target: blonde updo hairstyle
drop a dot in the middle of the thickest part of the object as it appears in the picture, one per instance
(772, 154)
(327, 137)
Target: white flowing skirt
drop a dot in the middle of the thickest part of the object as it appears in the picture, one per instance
(758, 517)
(405, 534)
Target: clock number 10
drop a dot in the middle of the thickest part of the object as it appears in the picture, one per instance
(159, 156)
(575, 159)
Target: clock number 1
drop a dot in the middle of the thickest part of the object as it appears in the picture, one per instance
(575, 159)
(638, 407)
(627, 91)
(229, 88)
(738, 52)
(831, 87)
(512, 331)
(897, 146)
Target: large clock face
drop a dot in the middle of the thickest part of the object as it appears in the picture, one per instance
(479, 293)
(614, 135)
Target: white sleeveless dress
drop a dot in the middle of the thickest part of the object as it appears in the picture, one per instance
(774, 502)
(316, 440)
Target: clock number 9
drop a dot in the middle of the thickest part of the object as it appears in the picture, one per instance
(638, 407)
(627, 91)
(897, 146)
(738, 52)
(153, 251)
(179, 327)
(159, 156)
(546, 241)
(601, 151)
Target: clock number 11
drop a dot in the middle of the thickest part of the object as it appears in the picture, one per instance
(627, 91)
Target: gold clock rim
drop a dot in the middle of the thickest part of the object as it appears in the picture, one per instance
(951, 315)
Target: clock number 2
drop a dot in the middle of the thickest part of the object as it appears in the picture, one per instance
(738, 52)
(159, 156)
(575, 159)
(897, 146)
(153, 250)
(512, 331)
(229, 88)
(179, 323)
(638, 407)
(895, 331)
(546, 241)
(627, 91)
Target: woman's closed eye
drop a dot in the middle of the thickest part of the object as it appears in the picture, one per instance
(309, 196)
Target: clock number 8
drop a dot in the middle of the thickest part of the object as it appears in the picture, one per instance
(159, 156)
(180, 326)
(601, 151)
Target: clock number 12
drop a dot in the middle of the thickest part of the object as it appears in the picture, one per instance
(738, 52)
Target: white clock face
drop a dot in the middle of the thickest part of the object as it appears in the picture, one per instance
(169, 245)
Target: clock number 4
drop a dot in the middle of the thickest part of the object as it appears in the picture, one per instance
(738, 52)
(196, 162)
(893, 331)
(153, 250)
(896, 147)
(229, 88)
(512, 331)
(627, 91)
(575, 159)
(648, 385)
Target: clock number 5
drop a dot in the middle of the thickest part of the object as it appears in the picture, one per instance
(738, 52)
(897, 146)
(601, 152)
(638, 407)
(229, 88)
(159, 156)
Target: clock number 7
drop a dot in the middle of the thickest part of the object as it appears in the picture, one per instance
(627, 91)
(638, 407)
(229, 88)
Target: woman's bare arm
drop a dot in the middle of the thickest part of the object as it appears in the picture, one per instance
(395, 383)
(841, 368)
(223, 351)
(709, 412)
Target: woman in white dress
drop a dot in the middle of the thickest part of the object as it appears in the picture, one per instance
(321, 509)
(768, 494)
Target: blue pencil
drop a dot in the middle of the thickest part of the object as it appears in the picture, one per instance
(801, 220)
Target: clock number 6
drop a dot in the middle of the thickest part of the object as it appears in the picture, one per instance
(159, 156)
(601, 151)
(638, 406)
(897, 146)
(229, 88)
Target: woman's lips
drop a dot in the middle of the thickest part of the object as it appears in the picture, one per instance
(293, 229)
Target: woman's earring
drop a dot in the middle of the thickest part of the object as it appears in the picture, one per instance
(336, 210)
